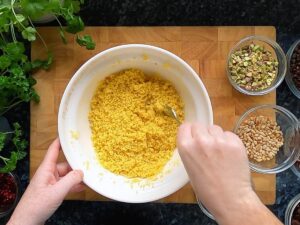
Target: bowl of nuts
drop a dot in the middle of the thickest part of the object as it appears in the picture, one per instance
(293, 74)
(270, 134)
(256, 65)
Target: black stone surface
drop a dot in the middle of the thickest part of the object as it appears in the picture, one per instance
(283, 14)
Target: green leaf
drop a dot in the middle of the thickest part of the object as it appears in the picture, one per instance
(36, 64)
(10, 163)
(4, 62)
(19, 18)
(2, 141)
(33, 8)
(15, 49)
(22, 154)
(50, 59)
(5, 6)
(17, 128)
(86, 41)
(5, 18)
(29, 33)
(74, 25)
(62, 35)
(45, 64)
(54, 5)
(17, 71)
(4, 23)
(27, 67)
(35, 97)
(76, 6)
(32, 81)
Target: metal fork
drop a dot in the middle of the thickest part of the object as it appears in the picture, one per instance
(169, 111)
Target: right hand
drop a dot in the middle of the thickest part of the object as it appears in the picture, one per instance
(217, 164)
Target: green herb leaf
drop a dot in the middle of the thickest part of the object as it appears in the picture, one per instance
(15, 49)
(86, 41)
(54, 5)
(62, 35)
(35, 97)
(17, 153)
(2, 141)
(34, 9)
(10, 164)
(29, 33)
(74, 25)
(19, 18)
(76, 6)
(44, 64)
(4, 62)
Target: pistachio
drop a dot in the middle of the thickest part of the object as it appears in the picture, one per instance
(252, 67)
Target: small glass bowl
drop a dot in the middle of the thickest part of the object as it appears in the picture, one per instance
(288, 77)
(290, 210)
(17, 185)
(296, 169)
(289, 152)
(277, 53)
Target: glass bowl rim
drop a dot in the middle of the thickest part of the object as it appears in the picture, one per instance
(17, 183)
(281, 167)
(288, 78)
(295, 170)
(283, 63)
(290, 209)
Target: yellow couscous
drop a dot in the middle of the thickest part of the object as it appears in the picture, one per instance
(131, 133)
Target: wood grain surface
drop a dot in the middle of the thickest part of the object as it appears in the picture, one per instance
(204, 48)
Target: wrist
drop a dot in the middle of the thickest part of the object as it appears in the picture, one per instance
(19, 218)
(13, 221)
(240, 209)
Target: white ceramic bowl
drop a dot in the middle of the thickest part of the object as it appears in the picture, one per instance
(75, 105)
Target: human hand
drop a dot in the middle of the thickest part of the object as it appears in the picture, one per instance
(217, 164)
(47, 189)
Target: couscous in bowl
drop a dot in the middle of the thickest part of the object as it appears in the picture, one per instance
(75, 132)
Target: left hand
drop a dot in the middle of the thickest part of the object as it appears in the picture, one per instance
(47, 189)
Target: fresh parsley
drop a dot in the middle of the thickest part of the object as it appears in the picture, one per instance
(16, 69)
(17, 153)
(86, 41)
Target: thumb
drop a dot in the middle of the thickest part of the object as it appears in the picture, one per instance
(65, 184)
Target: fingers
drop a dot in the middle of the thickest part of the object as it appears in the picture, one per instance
(63, 168)
(184, 135)
(232, 137)
(215, 131)
(66, 183)
(78, 188)
(199, 130)
(52, 153)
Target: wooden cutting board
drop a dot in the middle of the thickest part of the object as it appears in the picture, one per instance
(204, 48)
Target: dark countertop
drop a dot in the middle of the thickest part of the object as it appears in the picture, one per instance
(284, 15)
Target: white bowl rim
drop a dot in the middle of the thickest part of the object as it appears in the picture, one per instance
(94, 58)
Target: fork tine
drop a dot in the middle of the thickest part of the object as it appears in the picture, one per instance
(172, 113)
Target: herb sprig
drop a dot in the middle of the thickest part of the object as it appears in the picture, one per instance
(17, 153)
(16, 69)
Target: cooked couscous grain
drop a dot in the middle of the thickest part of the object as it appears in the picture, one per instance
(131, 134)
